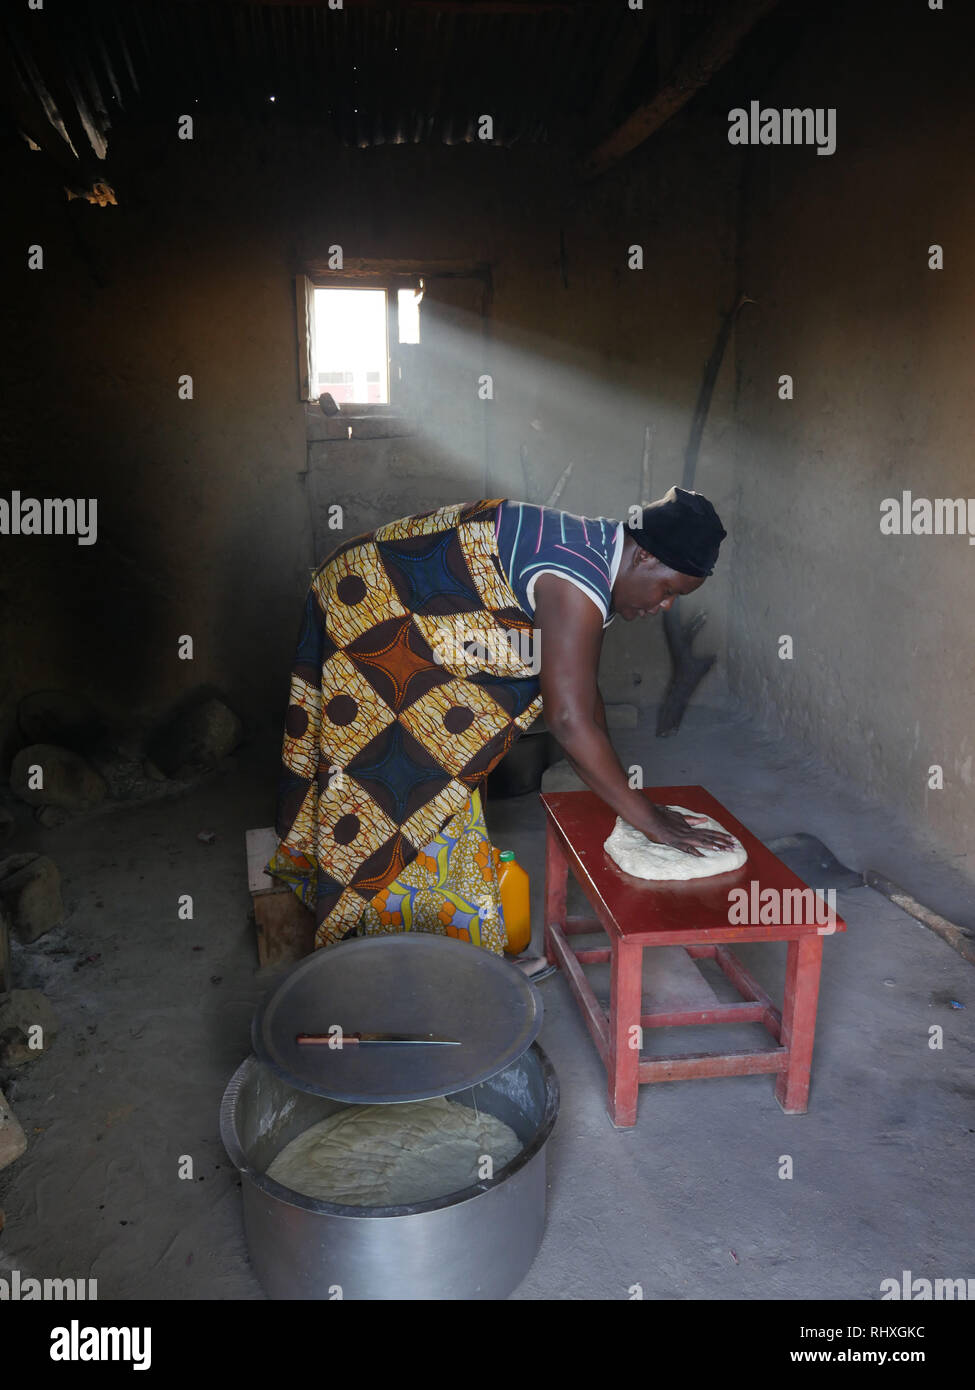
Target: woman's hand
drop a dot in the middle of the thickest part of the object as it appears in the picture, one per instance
(671, 828)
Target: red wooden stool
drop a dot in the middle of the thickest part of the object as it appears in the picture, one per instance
(694, 914)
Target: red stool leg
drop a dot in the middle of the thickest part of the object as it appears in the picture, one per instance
(625, 1000)
(799, 1021)
(556, 886)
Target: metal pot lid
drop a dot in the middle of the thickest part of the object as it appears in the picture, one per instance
(409, 983)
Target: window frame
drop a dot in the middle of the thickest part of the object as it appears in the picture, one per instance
(390, 283)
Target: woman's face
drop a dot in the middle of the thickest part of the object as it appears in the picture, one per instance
(645, 586)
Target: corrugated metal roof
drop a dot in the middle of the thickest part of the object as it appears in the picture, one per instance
(414, 72)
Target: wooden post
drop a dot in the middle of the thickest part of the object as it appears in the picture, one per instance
(799, 1021)
(625, 1001)
(556, 887)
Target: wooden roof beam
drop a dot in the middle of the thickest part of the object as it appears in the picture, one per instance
(488, 7)
(705, 56)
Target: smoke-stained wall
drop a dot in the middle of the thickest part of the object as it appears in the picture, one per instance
(835, 250)
(204, 520)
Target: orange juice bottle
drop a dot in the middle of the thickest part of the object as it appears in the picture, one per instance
(515, 902)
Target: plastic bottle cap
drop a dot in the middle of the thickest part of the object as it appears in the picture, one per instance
(507, 854)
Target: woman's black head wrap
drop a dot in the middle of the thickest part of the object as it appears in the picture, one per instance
(683, 531)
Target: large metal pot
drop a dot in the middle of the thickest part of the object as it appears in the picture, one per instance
(474, 1244)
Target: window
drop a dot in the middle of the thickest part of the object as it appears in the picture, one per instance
(350, 352)
(351, 335)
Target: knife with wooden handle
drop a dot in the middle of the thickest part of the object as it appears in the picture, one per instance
(340, 1040)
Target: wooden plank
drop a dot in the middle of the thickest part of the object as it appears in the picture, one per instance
(261, 844)
(285, 928)
(592, 1010)
(743, 981)
(581, 926)
(959, 938)
(701, 61)
(556, 884)
(721, 1013)
(747, 986)
(383, 272)
(704, 1064)
(307, 386)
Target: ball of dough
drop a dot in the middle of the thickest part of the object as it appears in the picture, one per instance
(643, 858)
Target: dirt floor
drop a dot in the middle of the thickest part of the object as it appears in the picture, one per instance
(154, 1018)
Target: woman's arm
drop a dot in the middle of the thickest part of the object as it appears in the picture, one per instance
(571, 634)
(599, 713)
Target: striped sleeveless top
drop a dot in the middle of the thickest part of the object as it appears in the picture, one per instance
(584, 551)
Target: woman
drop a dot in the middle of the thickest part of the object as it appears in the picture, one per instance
(428, 646)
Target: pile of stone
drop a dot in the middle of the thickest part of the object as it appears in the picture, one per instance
(28, 1026)
(69, 764)
(199, 736)
(30, 905)
(30, 895)
(13, 1140)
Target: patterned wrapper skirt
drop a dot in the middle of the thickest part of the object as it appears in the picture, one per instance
(414, 675)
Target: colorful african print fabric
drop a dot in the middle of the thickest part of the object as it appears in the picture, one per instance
(450, 889)
(412, 680)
